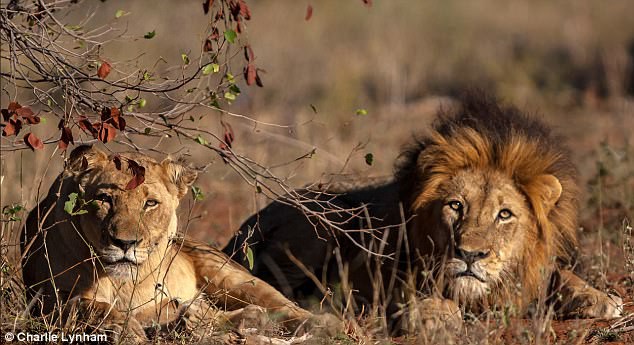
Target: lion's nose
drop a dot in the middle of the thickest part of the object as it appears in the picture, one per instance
(469, 257)
(125, 244)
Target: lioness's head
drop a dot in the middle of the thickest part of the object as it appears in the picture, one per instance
(125, 224)
(493, 199)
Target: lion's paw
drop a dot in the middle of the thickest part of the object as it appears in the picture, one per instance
(431, 315)
(322, 325)
(124, 331)
(599, 305)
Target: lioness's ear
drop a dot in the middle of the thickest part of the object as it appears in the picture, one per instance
(84, 157)
(549, 189)
(181, 176)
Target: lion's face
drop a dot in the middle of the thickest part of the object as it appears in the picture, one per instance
(490, 221)
(125, 227)
(484, 226)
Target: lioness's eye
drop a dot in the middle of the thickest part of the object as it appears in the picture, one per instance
(505, 214)
(150, 203)
(455, 205)
(104, 197)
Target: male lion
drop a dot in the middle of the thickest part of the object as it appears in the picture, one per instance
(116, 258)
(489, 205)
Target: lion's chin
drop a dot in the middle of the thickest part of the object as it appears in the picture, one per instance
(122, 269)
(467, 289)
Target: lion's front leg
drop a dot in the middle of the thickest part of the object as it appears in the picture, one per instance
(237, 288)
(101, 315)
(430, 315)
(575, 298)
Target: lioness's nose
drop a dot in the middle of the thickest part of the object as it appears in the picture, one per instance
(125, 244)
(471, 256)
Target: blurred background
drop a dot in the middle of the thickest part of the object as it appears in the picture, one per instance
(354, 80)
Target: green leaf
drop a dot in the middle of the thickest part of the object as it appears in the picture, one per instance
(119, 14)
(361, 112)
(258, 189)
(142, 102)
(150, 35)
(369, 158)
(147, 75)
(250, 257)
(201, 140)
(69, 205)
(230, 36)
(185, 59)
(73, 27)
(147, 130)
(235, 89)
(230, 96)
(230, 78)
(208, 69)
(197, 194)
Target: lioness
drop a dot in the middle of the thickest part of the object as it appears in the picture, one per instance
(116, 257)
(488, 200)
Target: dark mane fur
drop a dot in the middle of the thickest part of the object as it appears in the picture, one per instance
(480, 133)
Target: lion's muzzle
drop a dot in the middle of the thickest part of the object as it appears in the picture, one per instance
(124, 251)
(466, 264)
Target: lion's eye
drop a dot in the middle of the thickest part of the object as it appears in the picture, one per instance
(150, 203)
(104, 197)
(455, 205)
(505, 214)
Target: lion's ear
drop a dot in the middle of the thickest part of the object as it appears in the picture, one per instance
(85, 157)
(181, 176)
(549, 189)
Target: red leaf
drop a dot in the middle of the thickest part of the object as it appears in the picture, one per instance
(8, 130)
(245, 12)
(215, 34)
(258, 81)
(309, 12)
(24, 112)
(113, 117)
(138, 173)
(86, 126)
(66, 139)
(207, 5)
(32, 120)
(33, 142)
(117, 161)
(105, 114)
(234, 7)
(228, 135)
(104, 70)
(6, 114)
(250, 74)
(207, 47)
(12, 128)
(106, 132)
(248, 53)
(13, 106)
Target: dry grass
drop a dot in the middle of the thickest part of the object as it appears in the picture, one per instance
(572, 61)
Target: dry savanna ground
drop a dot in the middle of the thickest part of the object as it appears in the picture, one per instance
(357, 81)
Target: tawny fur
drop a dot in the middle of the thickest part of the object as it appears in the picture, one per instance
(510, 154)
(75, 258)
